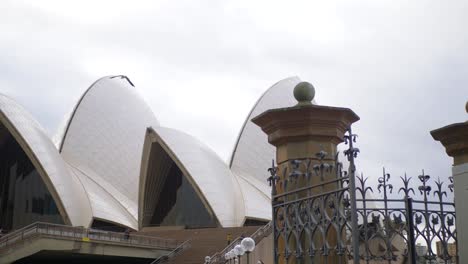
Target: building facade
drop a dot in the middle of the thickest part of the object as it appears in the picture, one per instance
(114, 166)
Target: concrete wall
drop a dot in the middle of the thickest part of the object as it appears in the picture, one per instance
(460, 180)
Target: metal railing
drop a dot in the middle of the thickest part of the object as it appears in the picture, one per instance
(257, 236)
(84, 234)
(182, 247)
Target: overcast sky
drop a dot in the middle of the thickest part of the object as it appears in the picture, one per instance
(402, 66)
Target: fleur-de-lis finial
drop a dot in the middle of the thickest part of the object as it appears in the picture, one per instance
(321, 154)
(350, 138)
(322, 167)
(296, 173)
(424, 188)
(451, 186)
(383, 183)
(273, 179)
(273, 174)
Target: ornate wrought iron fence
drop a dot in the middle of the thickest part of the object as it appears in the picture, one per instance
(311, 213)
(407, 226)
(313, 219)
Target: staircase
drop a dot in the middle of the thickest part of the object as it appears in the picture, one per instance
(172, 254)
(203, 242)
(257, 236)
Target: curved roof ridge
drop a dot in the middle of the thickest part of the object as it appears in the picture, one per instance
(105, 133)
(207, 171)
(62, 137)
(233, 153)
(173, 155)
(72, 115)
(103, 203)
(252, 153)
(250, 181)
(257, 205)
(105, 188)
(79, 180)
(62, 185)
(31, 117)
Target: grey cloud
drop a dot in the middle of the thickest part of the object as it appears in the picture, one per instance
(402, 66)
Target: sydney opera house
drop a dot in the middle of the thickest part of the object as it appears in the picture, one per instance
(116, 167)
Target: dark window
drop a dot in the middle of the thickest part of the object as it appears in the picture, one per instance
(104, 225)
(177, 202)
(254, 222)
(24, 198)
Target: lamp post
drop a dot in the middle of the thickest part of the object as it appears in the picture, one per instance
(232, 255)
(249, 245)
(239, 251)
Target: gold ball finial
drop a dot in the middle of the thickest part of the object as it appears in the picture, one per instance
(304, 93)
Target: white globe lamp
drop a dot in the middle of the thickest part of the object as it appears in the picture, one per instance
(249, 245)
(239, 251)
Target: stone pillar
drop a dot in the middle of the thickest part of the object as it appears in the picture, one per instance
(301, 131)
(454, 137)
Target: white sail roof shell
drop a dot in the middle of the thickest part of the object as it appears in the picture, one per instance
(252, 154)
(106, 133)
(64, 187)
(96, 171)
(257, 203)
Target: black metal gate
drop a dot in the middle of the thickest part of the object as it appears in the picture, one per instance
(325, 214)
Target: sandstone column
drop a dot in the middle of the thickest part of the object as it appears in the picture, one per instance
(454, 137)
(301, 131)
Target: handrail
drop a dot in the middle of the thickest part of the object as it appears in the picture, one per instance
(175, 252)
(84, 234)
(257, 236)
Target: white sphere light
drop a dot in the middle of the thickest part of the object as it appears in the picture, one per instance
(226, 256)
(239, 250)
(207, 259)
(231, 254)
(248, 244)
